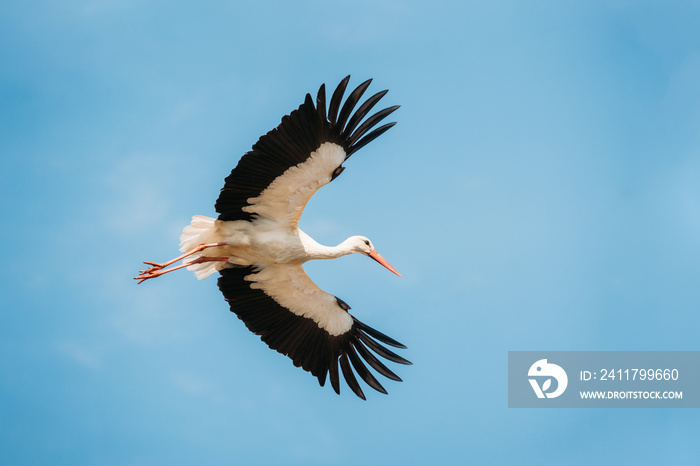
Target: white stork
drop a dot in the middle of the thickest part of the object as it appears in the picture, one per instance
(258, 249)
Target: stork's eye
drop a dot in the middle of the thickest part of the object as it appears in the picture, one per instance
(367, 242)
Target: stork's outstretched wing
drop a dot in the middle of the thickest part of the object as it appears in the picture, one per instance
(298, 319)
(286, 166)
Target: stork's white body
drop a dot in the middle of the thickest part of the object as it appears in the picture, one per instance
(262, 244)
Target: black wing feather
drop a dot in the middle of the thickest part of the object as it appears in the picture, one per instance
(298, 135)
(350, 103)
(334, 376)
(369, 138)
(376, 363)
(350, 377)
(380, 350)
(362, 112)
(321, 102)
(336, 98)
(378, 335)
(362, 371)
(303, 341)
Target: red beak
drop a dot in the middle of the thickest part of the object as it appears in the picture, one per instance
(375, 255)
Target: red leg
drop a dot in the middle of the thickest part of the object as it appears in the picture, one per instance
(157, 266)
(145, 275)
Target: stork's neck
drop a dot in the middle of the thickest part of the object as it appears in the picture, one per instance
(315, 250)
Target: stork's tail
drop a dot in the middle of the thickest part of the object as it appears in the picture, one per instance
(202, 230)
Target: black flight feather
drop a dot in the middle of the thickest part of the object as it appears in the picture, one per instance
(362, 112)
(350, 103)
(336, 98)
(350, 377)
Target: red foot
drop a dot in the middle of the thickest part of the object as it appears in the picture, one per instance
(154, 266)
(145, 275)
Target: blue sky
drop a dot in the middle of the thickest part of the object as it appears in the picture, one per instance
(539, 192)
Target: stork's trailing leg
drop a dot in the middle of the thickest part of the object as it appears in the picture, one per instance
(154, 272)
(156, 269)
(156, 266)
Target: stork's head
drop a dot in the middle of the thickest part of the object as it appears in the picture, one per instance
(364, 246)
